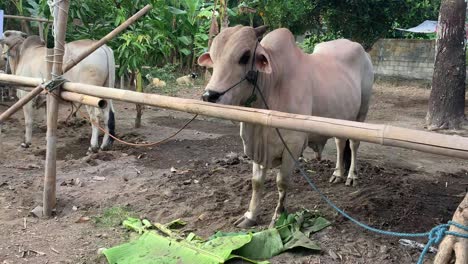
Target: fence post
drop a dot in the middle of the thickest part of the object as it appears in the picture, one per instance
(60, 20)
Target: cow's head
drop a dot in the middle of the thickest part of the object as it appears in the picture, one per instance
(234, 52)
(12, 41)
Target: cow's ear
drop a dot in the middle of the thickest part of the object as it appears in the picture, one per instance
(259, 31)
(262, 61)
(7, 33)
(205, 60)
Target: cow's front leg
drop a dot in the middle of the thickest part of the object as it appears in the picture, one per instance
(352, 174)
(28, 111)
(339, 169)
(250, 217)
(109, 121)
(94, 147)
(282, 182)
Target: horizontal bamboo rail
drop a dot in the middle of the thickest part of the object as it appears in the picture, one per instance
(430, 142)
(67, 96)
(84, 99)
(37, 19)
(38, 89)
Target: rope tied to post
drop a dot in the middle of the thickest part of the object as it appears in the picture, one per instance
(54, 83)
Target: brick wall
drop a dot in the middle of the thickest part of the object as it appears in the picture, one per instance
(405, 58)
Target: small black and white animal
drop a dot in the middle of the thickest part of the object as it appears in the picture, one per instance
(188, 79)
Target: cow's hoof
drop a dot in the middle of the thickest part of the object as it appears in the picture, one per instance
(106, 147)
(351, 182)
(245, 222)
(92, 150)
(25, 145)
(336, 179)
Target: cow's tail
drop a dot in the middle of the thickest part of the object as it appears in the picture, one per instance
(110, 84)
(347, 156)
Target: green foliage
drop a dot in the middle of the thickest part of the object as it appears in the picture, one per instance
(112, 217)
(309, 43)
(176, 31)
(361, 21)
(297, 15)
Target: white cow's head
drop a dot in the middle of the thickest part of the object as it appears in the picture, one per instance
(12, 41)
(234, 52)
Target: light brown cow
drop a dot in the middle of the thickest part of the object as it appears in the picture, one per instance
(335, 82)
(27, 58)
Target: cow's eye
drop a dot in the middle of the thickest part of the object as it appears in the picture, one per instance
(245, 58)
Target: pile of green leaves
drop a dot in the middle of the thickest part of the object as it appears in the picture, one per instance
(164, 244)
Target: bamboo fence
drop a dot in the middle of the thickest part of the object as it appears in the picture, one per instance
(430, 142)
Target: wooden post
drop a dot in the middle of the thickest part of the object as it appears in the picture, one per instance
(453, 244)
(36, 91)
(49, 198)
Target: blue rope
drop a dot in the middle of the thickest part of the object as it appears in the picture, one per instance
(435, 235)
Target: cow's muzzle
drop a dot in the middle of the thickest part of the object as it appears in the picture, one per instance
(211, 96)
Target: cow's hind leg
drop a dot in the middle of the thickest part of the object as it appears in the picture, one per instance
(258, 178)
(352, 174)
(109, 121)
(28, 111)
(339, 169)
(94, 147)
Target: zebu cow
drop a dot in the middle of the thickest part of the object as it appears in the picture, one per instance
(335, 82)
(27, 58)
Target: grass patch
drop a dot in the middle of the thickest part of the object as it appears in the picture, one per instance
(170, 89)
(114, 216)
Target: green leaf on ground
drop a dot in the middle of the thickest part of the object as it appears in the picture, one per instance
(291, 231)
(152, 248)
(264, 245)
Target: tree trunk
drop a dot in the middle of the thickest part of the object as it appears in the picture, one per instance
(139, 107)
(224, 14)
(447, 99)
(214, 30)
(25, 27)
(41, 31)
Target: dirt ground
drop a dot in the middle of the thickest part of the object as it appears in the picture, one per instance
(399, 190)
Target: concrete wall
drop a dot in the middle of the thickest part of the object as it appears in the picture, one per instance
(405, 58)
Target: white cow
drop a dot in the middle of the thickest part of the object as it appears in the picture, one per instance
(335, 82)
(27, 58)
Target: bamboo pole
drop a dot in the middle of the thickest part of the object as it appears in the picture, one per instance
(84, 99)
(36, 91)
(430, 142)
(454, 146)
(50, 178)
(38, 19)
